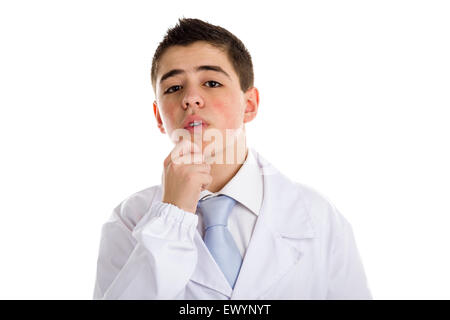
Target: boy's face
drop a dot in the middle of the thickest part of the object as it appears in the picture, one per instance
(213, 95)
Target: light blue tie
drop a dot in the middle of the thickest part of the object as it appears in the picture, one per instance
(215, 211)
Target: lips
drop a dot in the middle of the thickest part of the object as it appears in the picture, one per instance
(196, 128)
(194, 122)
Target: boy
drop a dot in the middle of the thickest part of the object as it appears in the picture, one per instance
(224, 223)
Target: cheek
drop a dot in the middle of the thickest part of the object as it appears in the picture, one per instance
(169, 116)
(228, 113)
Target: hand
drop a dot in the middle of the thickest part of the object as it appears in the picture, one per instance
(185, 175)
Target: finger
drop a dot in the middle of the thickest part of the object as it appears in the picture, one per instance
(202, 168)
(205, 181)
(189, 159)
(187, 148)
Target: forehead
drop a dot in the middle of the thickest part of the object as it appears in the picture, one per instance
(189, 57)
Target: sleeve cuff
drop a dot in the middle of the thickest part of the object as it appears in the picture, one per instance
(164, 219)
(172, 212)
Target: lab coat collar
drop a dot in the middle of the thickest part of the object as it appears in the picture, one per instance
(275, 246)
(280, 231)
(281, 196)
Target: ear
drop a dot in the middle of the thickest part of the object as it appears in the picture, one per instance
(158, 117)
(252, 103)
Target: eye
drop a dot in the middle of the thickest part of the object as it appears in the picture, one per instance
(170, 89)
(215, 84)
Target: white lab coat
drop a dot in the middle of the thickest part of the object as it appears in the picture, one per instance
(301, 248)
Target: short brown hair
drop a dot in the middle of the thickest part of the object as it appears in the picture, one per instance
(188, 31)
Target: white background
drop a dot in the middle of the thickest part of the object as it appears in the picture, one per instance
(354, 100)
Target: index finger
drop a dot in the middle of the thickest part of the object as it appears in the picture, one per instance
(182, 148)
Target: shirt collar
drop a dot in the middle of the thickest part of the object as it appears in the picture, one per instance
(246, 186)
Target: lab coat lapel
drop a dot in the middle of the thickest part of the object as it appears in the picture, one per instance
(207, 273)
(271, 252)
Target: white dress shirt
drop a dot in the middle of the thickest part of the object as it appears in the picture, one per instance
(246, 187)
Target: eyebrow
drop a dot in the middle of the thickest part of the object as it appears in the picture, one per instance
(174, 72)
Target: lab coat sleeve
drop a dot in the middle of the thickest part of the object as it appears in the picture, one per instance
(347, 279)
(153, 261)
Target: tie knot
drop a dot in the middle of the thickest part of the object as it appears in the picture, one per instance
(215, 210)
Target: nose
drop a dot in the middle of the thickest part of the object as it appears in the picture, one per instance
(192, 99)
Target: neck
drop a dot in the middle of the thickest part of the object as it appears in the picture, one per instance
(223, 172)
